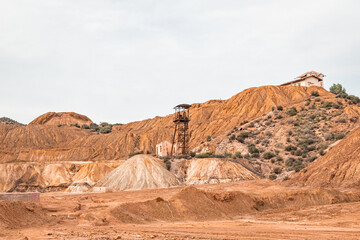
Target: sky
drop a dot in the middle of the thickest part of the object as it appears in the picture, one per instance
(120, 61)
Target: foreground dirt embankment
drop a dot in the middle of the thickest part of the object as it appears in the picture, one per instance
(254, 209)
(192, 204)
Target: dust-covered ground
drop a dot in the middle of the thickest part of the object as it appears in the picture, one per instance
(247, 210)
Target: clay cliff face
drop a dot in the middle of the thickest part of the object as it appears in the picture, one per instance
(340, 167)
(61, 118)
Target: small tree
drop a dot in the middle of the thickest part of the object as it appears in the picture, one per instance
(337, 89)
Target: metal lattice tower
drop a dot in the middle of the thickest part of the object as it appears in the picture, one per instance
(181, 130)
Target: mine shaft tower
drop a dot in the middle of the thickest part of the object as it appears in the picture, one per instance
(181, 130)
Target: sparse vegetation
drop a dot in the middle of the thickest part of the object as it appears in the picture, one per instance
(7, 120)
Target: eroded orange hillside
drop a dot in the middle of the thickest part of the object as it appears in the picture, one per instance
(211, 118)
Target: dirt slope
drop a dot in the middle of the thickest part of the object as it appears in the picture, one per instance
(210, 170)
(61, 118)
(139, 172)
(340, 167)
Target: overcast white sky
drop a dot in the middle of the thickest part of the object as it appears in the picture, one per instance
(127, 60)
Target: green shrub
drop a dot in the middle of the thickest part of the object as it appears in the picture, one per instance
(238, 155)
(290, 162)
(240, 139)
(327, 105)
(252, 149)
(339, 136)
(277, 170)
(75, 125)
(315, 94)
(341, 120)
(85, 126)
(317, 100)
(353, 99)
(268, 155)
(297, 168)
(192, 154)
(322, 146)
(244, 134)
(280, 108)
(208, 138)
(290, 148)
(292, 111)
(328, 137)
(106, 129)
(272, 177)
(204, 155)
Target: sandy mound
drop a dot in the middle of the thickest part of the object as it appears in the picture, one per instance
(89, 174)
(61, 118)
(192, 204)
(139, 172)
(210, 170)
(19, 214)
(340, 167)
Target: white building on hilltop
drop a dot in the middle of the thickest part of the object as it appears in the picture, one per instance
(308, 79)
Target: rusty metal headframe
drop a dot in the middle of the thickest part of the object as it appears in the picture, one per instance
(181, 130)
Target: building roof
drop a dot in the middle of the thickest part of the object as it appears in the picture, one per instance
(306, 75)
(186, 106)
